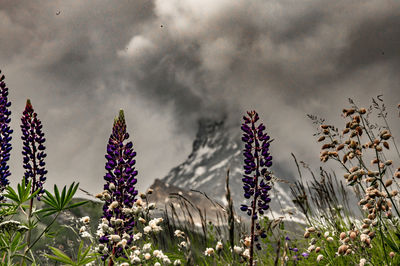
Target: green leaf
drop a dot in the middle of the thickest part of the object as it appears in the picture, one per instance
(57, 194)
(79, 251)
(87, 260)
(76, 205)
(59, 203)
(60, 256)
(12, 195)
(63, 194)
(71, 191)
(391, 244)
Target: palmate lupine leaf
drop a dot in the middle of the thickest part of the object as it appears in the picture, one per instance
(57, 202)
(83, 256)
(23, 193)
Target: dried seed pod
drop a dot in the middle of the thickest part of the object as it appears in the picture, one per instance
(389, 214)
(353, 144)
(370, 173)
(307, 234)
(311, 229)
(378, 148)
(386, 145)
(363, 202)
(333, 153)
(353, 125)
(353, 169)
(340, 147)
(359, 130)
(397, 174)
(370, 179)
(365, 232)
(386, 136)
(370, 145)
(371, 216)
(388, 183)
(374, 161)
(391, 255)
(394, 193)
(326, 146)
(371, 234)
(351, 155)
(383, 132)
(317, 249)
(353, 134)
(346, 176)
(325, 126)
(353, 235)
(367, 221)
(342, 235)
(321, 138)
(362, 111)
(326, 131)
(342, 249)
(365, 226)
(348, 251)
(346, 240)
(376, 142)
(389, 162)
(345, 131)
(345, 159)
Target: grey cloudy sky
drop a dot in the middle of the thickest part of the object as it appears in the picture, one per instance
(169, 62)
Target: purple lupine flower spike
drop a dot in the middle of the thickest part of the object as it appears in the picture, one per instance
(5, 134)
(120, 188)
(33, 149)
(256, 179)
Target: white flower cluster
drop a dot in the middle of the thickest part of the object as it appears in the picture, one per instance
(160, 255)
(153, 226)
(209, 252)
(179, 233)
(104, 228)
(83, 230)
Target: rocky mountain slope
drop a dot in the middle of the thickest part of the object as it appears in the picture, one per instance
(216, 149)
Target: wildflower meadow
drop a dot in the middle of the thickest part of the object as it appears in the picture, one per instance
(122, 226)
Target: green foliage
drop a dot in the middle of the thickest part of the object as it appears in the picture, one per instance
(60, 202)
(22, 195)
(83, 256)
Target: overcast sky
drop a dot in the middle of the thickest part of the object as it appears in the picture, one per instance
(169, 62)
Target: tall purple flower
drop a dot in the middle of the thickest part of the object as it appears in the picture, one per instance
(119, 190)
(256, 179)
(5, 134)
(33, 149)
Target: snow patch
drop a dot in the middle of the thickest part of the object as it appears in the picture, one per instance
(219, 165)
(200, 170)
(205, 180)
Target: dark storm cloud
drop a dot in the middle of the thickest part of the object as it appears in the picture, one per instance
(374, 41)
(170, 62)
